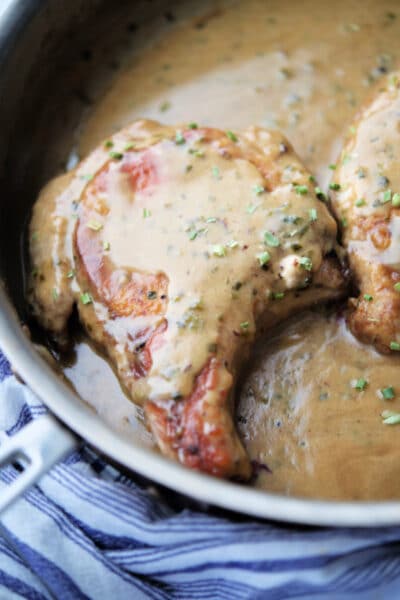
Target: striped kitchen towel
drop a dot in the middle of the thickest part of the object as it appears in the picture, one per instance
(88, 531)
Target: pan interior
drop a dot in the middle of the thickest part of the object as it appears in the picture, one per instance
(82, 84)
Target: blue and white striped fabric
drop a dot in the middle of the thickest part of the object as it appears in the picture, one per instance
(88, 531)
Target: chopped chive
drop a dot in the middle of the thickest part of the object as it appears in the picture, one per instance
(293, 219)
(129, 146)
(211, 220)
(196, 152)
(165, 106)
(55, 294)
(388, 393)
(108, 144)
(152, 294)
(334, 186)
(270, 239)
(332, 167)
(360, 384)
(94, 225)
(215, 172)
(71, 274)
(258, 189)
(86, 298)
(306, 263)
(231, 136)
(233, 244)
(391, 419)
(395, 346)
(397, 286)
(360, 202)
(244, 325)
(219, 250)
(301, 189)
(106, 245)
(396, 200)
(277, 295)
(344, 221)
(311, 179)
(192, 125)
(251, 208)
(320, 194)
(179, 138)
(116, 155)
(387, 196)
(263, 258)
(192, 234)
(368, 297)
(146, 213)
(313, 214)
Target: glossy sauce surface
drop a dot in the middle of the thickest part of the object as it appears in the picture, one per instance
(305, 69)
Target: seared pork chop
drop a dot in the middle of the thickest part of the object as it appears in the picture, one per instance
(178, 245)
(367, 203)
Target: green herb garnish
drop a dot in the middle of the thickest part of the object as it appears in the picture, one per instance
(313, 214)
(116, 155)
(270, 239)
(368, 297)
(152, 295)
(394, 346)
(334, 186)
(396, 200)
(277, 295)
(360, 202)
(388, 393)
(390, 418)
(360, 384)
(232, 136)
(320, 194)
(263, 258)
(165, 106)
(108, 144)
(258, 189)
(215, 172)
(146, 213)
(94, 225)
(86, 298)
(192, 125)
(218, 250)
(306, 263)
(179, 138)
(387, 196)
(301, 189)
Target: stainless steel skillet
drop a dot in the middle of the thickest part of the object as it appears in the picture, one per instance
(48, 73)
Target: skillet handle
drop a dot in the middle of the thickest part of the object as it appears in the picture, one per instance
(37, 448)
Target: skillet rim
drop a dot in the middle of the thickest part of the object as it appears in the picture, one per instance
(67, 406)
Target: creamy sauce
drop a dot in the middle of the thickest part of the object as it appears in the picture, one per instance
(303, 67)
(301, 414)
(305, 70)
